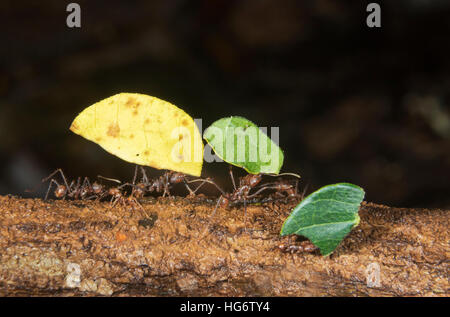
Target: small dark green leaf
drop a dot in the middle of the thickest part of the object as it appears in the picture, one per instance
(240, 142)
(326, 216)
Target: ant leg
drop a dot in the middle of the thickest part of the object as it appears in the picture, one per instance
(51, 175)
(55, 172)
(206, 180)
(116, 200)
(65, 180)
(212, 215)
(135, 201)
(135, 174)
(144, 176)
(260, 190)
(78, 182)
(86, 182)
(74, 189)
(166, 184)
(217, 206)
(192, 192)
(85, 188)
(126, 184)
(304, 191)
(232, 177)
(245, 213)
(100, 196)
(52, 181)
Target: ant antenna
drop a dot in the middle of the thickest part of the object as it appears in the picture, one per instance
(232, 177)
(282, 174)
(55, 172)
(135, 174)
(109, 179)
(304, 190)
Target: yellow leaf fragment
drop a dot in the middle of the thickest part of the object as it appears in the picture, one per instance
(144, 130)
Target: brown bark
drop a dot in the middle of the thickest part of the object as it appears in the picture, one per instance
(88, 248)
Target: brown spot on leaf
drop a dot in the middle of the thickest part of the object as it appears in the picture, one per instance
(113, 130)
(184, 122)
(147, 121)
(135, 113)
(130, 102)
(98, 139)
(146, 153)
(131, 136)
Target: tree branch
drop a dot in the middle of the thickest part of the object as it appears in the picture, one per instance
(88, 248)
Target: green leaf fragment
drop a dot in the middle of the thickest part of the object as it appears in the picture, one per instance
(326, 216)
(241, 143)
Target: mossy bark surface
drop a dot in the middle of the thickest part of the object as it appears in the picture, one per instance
(175, 248)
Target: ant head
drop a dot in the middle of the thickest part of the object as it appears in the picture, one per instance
(291, 192)
(224, 202)
(97, 188)
(141, 186)
(253, 179)
(60, 191)
(114, 191)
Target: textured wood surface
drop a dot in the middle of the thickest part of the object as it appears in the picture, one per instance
(87, 248)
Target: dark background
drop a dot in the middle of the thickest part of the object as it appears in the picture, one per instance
(367, 106)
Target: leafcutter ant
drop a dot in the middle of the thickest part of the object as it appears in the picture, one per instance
(241, 193)
(158, 185)
(117, 195)
(304, 246)
(76, 189)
